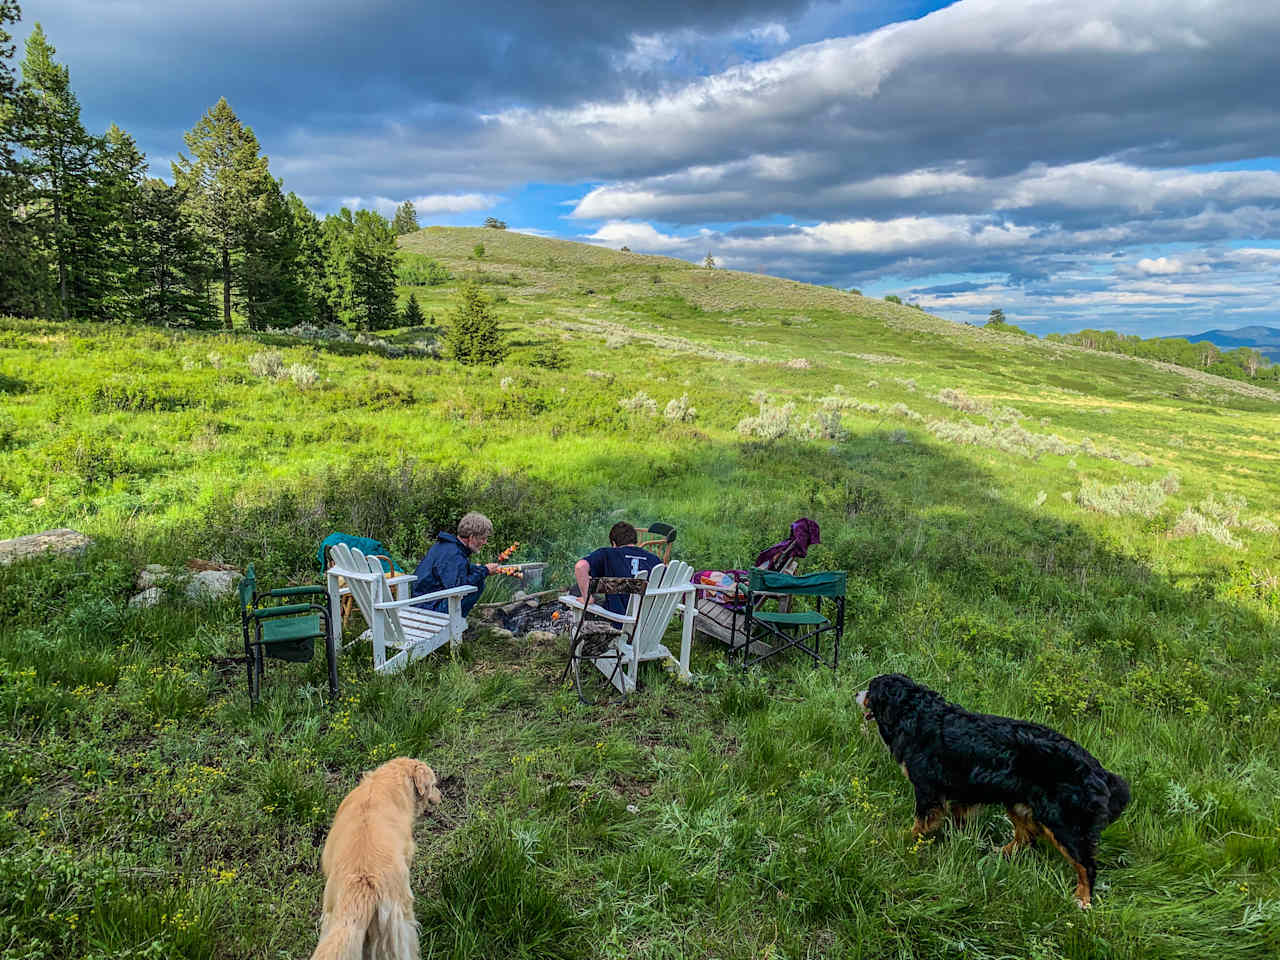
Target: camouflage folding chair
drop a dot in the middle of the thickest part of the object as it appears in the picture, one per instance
(597, 659)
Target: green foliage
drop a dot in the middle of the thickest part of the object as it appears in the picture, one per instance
(1243, 363)
(406, 219)
(131, 395)
(549, 357)
(892, 298)
(474, 336)
(415, 270)
(90, 458)
(478, 251)
(360, 269)
(412, 316)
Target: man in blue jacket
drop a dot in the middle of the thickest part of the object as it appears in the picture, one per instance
(447, 563)
(622, 558)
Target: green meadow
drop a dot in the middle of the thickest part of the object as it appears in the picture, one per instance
(1076, 538)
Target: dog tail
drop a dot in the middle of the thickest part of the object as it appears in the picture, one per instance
(1119, 796)
(343, 933)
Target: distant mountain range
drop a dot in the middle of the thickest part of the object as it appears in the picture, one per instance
(1265, 339)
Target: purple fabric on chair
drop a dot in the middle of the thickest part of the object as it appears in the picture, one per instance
(804, 534)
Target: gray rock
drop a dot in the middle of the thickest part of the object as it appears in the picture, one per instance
(63, 540)
(152, 575)
(212, 584)
(147, 598)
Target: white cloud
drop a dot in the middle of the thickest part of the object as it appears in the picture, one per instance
(1160, 265)
(455, 202)
(769, 33)
(434, 203)
(649, 50)
(638, 236)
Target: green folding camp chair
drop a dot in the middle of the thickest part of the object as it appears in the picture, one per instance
(286, 631)
(793, 627)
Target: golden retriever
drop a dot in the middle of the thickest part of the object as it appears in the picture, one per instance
(368, 906)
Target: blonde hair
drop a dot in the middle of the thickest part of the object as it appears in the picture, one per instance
(474, 525)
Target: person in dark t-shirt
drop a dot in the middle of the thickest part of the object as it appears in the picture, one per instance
(622, 558)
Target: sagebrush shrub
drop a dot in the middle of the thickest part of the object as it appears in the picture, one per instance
(640, 403)
(1122, 499)
(1192, 523)
(772, 423)
(268, 364)
(303, 375)
(680, 410)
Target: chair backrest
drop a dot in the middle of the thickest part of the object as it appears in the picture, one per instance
(363, 576)
(366, 545)
(248, 587)
(827, 583)
(659, 535)
(656, 611)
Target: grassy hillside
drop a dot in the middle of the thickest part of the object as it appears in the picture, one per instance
(1077, 538)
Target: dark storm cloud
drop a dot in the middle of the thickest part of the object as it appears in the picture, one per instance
(156, 67)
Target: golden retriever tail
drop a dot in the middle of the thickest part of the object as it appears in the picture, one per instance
(363, 916)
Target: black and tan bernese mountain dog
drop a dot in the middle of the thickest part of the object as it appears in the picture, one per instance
(1049, 785)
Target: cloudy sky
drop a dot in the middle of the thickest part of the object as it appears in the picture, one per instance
(1105, 163)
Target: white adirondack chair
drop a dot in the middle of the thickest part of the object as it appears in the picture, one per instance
(395, 622)
(670, 588)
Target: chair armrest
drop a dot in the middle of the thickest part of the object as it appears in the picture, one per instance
(425, 598)
(401, 578)
(677, 588)
(295, 591)
(599, 611)
(288, 610)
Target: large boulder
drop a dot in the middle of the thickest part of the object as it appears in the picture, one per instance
(63, 540)
(200, 581)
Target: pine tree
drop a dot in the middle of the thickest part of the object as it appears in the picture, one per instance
(412, 316)
(269, 291)
(23, 272)
(474, 337)
(406, 220)
(172, 260)
(106, 237)
(336, 240)
(710, 262)
(225, 181)
(360, 269)
(308, 242)
(373, 271)
(60, 165)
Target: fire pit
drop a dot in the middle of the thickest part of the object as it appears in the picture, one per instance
(521, 615)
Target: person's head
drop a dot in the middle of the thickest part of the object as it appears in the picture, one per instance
(622, 534)
(474, 529)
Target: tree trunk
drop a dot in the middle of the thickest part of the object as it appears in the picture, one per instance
(60, 243)
(226, 287)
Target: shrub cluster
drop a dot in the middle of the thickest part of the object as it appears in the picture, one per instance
(1216, 518)
(1122, 499)
(680, 410)
(640, 403)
